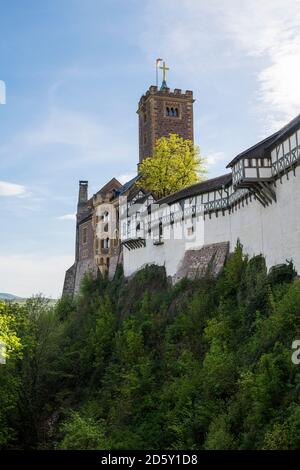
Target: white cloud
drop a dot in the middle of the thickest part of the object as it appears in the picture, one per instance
(273, 33)
(215, 158)
(67, 217)
(25, 275)
(125, 177)
(200, 36)
(11, 189)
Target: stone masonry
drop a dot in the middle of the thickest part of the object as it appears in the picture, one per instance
(208, 260)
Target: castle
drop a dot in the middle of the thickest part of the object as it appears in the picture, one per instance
(193, 230)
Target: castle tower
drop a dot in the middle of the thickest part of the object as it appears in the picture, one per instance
(163, 112)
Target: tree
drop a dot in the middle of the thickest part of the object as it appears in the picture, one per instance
(175, 164)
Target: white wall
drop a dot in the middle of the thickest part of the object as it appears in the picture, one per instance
(273, 231)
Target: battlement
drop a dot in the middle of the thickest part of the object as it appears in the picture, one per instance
(171, 93)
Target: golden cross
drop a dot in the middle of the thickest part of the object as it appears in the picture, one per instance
(164, 69)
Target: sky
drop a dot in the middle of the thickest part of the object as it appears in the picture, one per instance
(74, 71)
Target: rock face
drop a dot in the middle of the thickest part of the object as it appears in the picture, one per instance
(208, 260)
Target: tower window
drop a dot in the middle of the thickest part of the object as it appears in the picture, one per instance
(172, 112)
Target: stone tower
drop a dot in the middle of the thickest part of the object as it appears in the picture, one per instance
(163, 112)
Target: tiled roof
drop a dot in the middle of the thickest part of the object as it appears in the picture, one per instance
(198, 188)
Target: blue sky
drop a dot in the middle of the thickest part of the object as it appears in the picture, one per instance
(74, 72)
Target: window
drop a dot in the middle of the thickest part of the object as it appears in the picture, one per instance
(145, 139)
(172, 111)
(84, 235)
(160, 230)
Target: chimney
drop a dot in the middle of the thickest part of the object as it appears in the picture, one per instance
(83, 192)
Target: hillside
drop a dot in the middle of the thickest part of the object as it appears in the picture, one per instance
(5, 296)
(141, 364)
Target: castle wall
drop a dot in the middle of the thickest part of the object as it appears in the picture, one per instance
(86, 262)
(171, 252)
(273, 231)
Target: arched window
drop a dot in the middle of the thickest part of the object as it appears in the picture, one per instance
(172, 112)
(105, 228)
(167, 111)
(176, 112)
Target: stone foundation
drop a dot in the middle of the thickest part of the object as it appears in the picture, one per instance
(208, 260)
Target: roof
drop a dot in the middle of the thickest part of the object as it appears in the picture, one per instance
(198, 188)
(288, 129)
(112, 184)
(259, 149)
(128, 185)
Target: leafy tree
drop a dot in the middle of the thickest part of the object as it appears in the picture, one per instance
(82, 433)
(140, 364)
(175, 164)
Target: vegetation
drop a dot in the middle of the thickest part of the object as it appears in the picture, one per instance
(176, 163)
(140, 364)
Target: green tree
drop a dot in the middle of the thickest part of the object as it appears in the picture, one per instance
(175, 164)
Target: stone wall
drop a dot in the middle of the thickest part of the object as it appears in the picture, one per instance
(208, 260)
(69, 283)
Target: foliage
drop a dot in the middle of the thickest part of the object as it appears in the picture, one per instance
(175, 164)
(141, 364)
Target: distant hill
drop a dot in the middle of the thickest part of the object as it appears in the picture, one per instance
(21, 300)
(5, 296)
